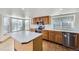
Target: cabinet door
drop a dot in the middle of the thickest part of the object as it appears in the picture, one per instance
(77, 42)
(51, 36)
(46, 19)
(58, 37)
(35, 20)
(45, 34)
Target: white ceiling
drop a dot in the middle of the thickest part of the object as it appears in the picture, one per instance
(34, 12)
(15, 12)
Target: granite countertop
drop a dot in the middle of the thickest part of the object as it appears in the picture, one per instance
(24, 36)
(50, 27)
(73, 30)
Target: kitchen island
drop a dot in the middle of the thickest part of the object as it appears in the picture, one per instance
(27, 41)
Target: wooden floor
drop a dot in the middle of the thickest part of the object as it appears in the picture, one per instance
(7, 45)
(49, 46)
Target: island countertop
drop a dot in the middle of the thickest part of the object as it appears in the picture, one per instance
(24, 36)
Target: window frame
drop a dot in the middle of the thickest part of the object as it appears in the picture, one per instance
(28, 24)
(10, 23)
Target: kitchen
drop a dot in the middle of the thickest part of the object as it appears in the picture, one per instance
(60, 32)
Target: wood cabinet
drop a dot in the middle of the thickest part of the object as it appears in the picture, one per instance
(37, 44)
(55, 36)
(58, 37)
(51, 36)
(35, 20)
(45, 34)
(77, 42)
(45, 19)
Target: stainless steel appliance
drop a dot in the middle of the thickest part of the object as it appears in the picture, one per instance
(69, 39)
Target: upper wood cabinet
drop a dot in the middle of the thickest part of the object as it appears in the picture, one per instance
(35, 20)
(45, 19)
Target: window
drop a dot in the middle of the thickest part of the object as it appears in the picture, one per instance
(65, 21)
(20, 24)
(14, 24)
(27, 24)
(6, 25)
(17, 24)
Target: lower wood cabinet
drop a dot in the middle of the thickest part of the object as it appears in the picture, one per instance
(58, 37)
(45, 34)
(77, 42)
(55, 36)
(52, 36)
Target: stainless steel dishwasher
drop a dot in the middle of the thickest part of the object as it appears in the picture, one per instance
(69, 39)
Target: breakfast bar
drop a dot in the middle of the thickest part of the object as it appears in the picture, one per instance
(27, 41)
